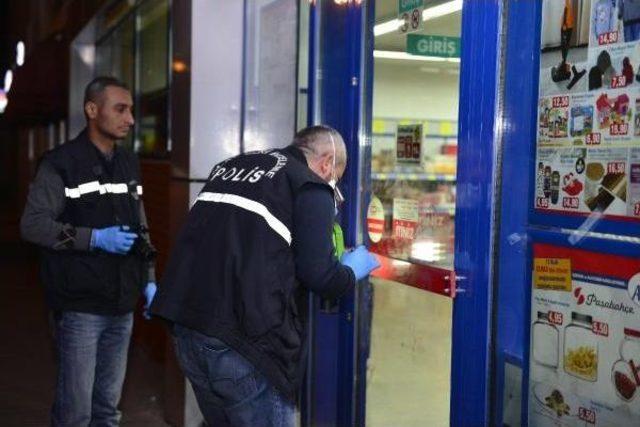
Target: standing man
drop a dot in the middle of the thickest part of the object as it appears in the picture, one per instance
(85, 211)
(257, 240)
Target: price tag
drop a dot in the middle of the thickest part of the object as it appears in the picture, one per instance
(542, 202)
(560, 101)
(608, 38)
(617, 129)
(593, 138)
(618, 81)
(555, 318)
(600, 328)
(587, 415)
(571, 202)
(616, 167)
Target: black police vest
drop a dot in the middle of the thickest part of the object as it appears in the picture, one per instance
(232, 275)
(97, 195)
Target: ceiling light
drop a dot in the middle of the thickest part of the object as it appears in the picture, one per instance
(442, 10)
(392, 54)
(429, 13)
(8, 80)
(20, 53)
(386, 27)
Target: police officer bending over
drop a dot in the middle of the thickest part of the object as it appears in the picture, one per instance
(84, 210)
(258, 238)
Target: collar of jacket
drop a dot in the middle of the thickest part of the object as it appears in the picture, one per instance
(297, 154)
(84, 138)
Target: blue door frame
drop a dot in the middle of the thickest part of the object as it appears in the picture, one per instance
(343, 100)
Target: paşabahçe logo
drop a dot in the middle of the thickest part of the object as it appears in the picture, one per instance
(608, 304)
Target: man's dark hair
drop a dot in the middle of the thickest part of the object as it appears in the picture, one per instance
(308, 138)
(98, 85)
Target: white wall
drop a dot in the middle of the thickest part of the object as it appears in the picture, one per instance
(402, 91)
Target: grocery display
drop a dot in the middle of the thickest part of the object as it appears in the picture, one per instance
(413, 171)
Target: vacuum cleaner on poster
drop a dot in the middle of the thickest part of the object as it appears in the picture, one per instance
(588, 139)
(584, 364)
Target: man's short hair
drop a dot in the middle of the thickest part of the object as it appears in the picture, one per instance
(308, 139)
(98, 85)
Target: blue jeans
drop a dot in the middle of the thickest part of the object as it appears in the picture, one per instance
(229, 390)
(92, 359)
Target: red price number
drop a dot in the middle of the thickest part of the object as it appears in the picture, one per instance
(618, 81)
(571, 202)
(608, 38)
(616, 167)
(560, 101)
(555, 318)
(587, 415)
(542, 202)
(600, 328)
(636, 209)
(593, 138)
(619, 129)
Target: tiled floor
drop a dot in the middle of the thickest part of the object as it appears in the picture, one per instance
(409, 366)
(27, 367)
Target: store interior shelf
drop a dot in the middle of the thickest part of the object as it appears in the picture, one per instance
(412, 176)
(448, 208)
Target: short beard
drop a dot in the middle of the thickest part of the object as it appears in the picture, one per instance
(109, 135)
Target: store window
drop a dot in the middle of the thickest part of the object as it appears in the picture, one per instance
(134, 47)
(115, 56)
(586, 178)
(153, 79)
(411, 217)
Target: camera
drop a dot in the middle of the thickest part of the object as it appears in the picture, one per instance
(142, 247)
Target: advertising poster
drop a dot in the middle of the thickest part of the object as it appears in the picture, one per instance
(409, 144)
(405, 219)
(585, 339)
(589, 109)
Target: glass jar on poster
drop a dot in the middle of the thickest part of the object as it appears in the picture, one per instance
(546, 341)
(625, 373)
(581, 348)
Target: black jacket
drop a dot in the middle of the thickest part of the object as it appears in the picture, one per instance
(75, 191)
(241, 268)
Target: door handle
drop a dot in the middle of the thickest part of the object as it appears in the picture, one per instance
(453, 290)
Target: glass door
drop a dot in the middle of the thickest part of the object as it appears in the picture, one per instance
(413, 87)
(411, 214)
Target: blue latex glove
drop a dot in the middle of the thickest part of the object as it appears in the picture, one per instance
(360, 261)
(149, 293)
(116, 239)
